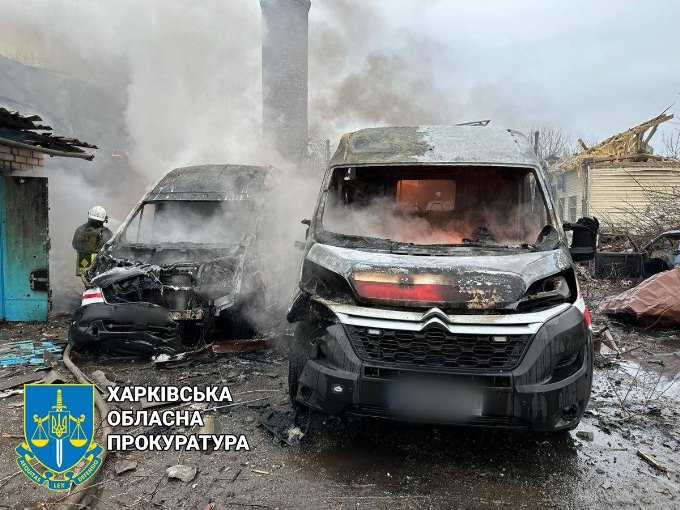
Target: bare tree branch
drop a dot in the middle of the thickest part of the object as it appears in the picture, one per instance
(552, 141)
(672, 145)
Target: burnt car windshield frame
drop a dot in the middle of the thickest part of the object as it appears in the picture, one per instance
(120, 236)
(319, 232)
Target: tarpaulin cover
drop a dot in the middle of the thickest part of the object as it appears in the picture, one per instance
(654, 301)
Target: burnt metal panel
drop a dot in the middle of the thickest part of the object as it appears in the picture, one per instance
(434, 145)
(210, 182)
(24, 247)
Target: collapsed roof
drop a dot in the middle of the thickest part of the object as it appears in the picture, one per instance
(631, 145)
(21, 131)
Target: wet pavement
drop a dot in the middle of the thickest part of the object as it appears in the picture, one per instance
(367, 463)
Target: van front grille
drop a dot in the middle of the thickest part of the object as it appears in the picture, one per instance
(438, 347)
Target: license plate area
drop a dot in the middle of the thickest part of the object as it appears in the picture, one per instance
(434, 400)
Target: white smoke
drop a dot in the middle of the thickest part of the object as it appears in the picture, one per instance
(184, 79)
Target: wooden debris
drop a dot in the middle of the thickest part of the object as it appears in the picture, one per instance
(647, 457)
(629, 146)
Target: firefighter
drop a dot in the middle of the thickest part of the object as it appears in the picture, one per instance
(90, 237)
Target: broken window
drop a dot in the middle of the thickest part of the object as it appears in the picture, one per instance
(436, 205)
(196, 222)
(572, 209)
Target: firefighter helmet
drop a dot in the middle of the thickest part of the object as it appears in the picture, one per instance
(98, 213)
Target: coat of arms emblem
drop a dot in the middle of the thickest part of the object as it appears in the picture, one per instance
(58, 447)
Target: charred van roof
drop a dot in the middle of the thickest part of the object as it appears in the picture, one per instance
(434, 145)
(211, 183)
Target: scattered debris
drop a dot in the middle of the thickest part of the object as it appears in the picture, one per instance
(10, 393)
(585, 435)
(244, 345)
(27, 352)
(182, 472)
(101, 381)
(260, 471)
(647, 457)
(54, 376)
(283, 427)
(123, 466)
(165, 360)
(656, 301)
(208, 427)
(604, 337)
(19, 380)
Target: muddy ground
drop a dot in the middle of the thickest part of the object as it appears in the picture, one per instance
(352, 463)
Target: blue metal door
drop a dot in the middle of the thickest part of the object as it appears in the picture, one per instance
(24, 249)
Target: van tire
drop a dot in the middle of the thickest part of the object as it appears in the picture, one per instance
(296, 361)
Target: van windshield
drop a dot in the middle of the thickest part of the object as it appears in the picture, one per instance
(436, 205)
(195, 222)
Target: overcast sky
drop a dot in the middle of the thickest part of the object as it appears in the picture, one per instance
(592, 67)
(595, 67)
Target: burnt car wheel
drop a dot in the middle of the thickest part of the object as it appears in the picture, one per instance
(296, 362)
(299, 353)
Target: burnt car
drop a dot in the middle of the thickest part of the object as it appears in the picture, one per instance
(184, 263)
(660, 254)
(438, 285)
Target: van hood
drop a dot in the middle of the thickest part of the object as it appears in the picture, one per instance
(481, 278)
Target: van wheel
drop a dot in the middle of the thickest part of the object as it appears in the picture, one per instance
(296, 362)
(299, 353)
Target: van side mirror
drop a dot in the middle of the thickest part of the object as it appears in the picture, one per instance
(584, 241)
(306, 222)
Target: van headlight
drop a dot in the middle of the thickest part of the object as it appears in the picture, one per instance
(550, 291)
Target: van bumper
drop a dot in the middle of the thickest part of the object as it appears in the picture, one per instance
(125, 329)
(547, 390)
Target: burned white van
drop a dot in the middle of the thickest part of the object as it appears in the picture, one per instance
(438, 285)
(184, 262)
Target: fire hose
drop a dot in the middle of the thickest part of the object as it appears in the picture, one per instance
(72, 501)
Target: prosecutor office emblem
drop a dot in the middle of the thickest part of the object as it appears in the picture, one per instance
(58, 448)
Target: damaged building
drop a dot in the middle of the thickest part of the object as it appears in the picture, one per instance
(616, 179)
(24, 226)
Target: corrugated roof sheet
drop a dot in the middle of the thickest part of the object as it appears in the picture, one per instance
(16, 127)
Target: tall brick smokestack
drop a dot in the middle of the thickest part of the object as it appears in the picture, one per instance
(284, 76)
